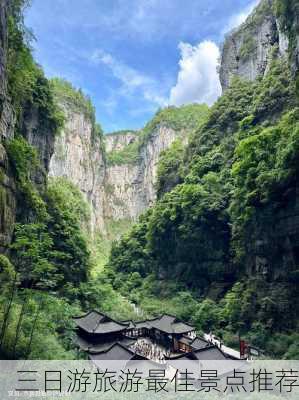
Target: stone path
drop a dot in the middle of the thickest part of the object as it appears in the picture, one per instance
(225, 349)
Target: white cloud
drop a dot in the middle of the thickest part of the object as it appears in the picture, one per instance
(133, 81)
(198, 80)
(237, 19)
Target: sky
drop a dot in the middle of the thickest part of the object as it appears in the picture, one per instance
(133, 57)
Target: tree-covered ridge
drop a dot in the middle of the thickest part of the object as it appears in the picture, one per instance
(185, 118)
(227, 191)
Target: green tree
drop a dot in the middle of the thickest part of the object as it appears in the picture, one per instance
(33, 254)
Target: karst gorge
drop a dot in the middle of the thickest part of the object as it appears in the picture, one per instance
(196, 214)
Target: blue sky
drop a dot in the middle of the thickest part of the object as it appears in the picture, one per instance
(134, 56)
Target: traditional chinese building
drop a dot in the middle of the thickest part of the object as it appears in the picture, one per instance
(116, 352)
(187, 344)
(97, 332)
(104, 338)
(166, 330)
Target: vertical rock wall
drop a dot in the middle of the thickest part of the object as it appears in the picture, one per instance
(7, 185)
(248, 49)
(78, 157)
(31, 128)
(114, 192)
(131, 188)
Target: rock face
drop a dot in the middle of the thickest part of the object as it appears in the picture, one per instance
(273, 238)
(131, 188)
(114, 192)
(31, 128)
(248, 49)
(119, 140)
(6, 113)
(79, 158)
(7, 185)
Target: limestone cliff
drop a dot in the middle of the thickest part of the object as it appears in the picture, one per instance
(78, 157)
(31, 125)
(6, 112)
(131, 187)
(119, 140)
(7, 187)
(248, 49)
(118, 191)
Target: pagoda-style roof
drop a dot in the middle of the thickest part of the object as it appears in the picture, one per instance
(116, 352)
(165, 323)
(85, 345)
(98, 323)
(171, 325)
(124, 341)
(139, 324)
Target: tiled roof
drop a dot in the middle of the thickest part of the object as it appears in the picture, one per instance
(97, 348)
(115, 352)
(96, 322)
(209, 353)
(170, 324)
(165, 323)
(82, 343)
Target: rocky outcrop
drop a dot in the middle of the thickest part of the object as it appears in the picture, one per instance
(79, 158)
(115, 192)
(130, 189)
(247, 50)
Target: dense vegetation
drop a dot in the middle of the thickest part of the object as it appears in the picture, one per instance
(185, 118)
(227, 189)
(45, 277)
(27, 85)
(216, 249)
(169, 167)
(128, 155)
